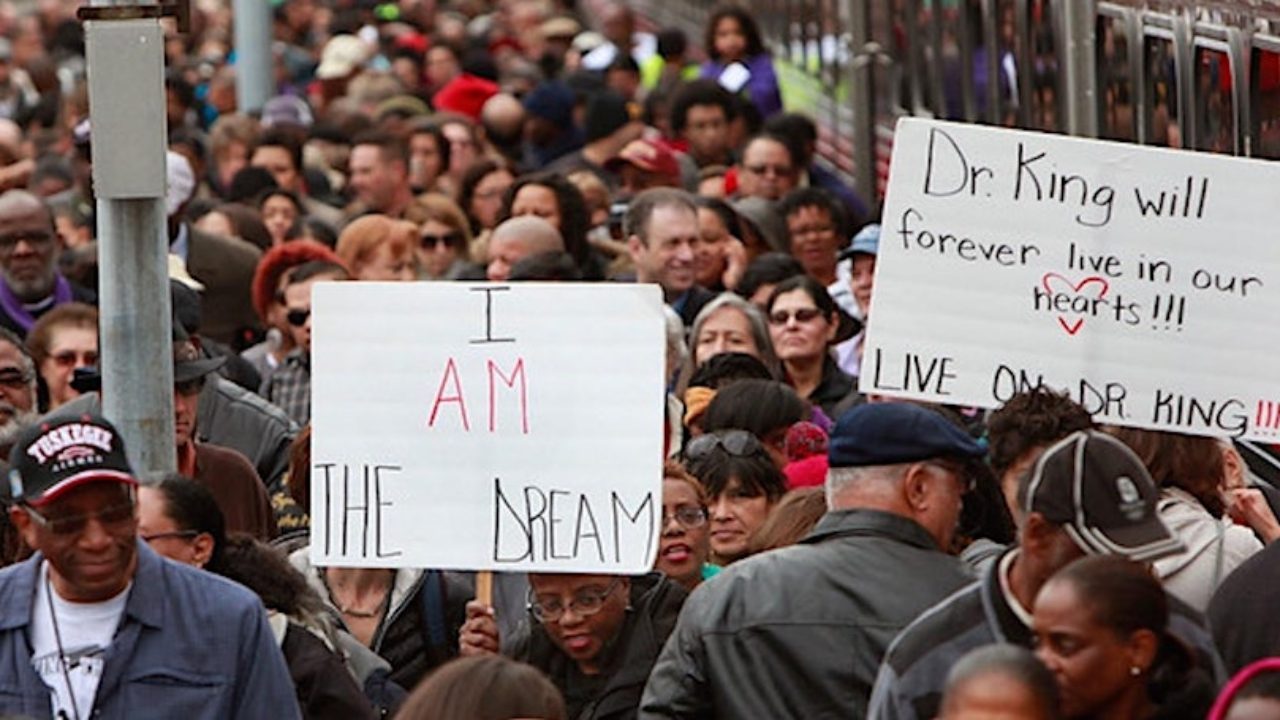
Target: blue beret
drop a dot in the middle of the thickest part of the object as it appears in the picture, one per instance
(896, 432)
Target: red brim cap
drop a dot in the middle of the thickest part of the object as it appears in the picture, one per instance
(71, 483)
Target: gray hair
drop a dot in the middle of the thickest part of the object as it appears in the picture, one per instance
(839, 479)
(677, 348)
(1011, 661)
(755, 318)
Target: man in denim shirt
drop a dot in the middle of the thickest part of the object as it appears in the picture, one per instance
(97, 625)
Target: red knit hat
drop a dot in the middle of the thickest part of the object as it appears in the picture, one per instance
(465, 94)
(279, 260)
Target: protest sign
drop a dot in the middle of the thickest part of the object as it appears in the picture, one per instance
(1144, 281)
(487, 427)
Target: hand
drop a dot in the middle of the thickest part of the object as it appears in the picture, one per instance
(479, 634)
(1248, 506)
(735, 255)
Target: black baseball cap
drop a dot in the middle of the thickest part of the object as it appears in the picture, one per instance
(1100, 492)
(54, 457)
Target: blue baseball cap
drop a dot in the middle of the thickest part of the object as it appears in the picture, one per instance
(867, 241)
(897, 432)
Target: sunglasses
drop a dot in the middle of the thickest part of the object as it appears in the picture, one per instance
(430, 242)
(738, 443)
(298, 318)
(803, 315)
(71, 358)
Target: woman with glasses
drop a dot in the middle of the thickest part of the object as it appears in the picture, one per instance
(62, 340)
(595, 636)
(377, 247)
(743, 485)
(443, 240)
(685, 544)
(804, 323)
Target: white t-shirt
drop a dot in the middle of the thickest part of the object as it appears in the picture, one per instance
(86, 630)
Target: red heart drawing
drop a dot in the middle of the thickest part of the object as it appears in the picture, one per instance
(1104, 287)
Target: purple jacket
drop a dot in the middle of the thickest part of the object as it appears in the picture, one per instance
(761, 88)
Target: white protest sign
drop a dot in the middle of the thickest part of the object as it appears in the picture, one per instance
(1144, 281)
(487, 427)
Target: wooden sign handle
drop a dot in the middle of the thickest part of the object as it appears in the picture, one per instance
(484, 587)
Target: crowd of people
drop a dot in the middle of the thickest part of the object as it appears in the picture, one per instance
(822, 553)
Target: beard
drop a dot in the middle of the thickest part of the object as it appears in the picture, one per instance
(31, 289)
(18, 420)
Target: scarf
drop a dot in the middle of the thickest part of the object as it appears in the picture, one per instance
(17, 310)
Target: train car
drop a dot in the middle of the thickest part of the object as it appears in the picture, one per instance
(1200, 75)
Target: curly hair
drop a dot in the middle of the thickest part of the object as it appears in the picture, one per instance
(1029, 420)
(279, 260)
(747, 23)
(575, 223)
(267, 573)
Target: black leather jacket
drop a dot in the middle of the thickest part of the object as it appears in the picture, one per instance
(799, 632)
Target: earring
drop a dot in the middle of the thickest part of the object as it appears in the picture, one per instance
(1135, 671)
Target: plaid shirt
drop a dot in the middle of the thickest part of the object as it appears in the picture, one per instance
(289, 387)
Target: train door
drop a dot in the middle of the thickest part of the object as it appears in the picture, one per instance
(1218, 77)
(1263, 135)
(1165, 96)
(1118, 64)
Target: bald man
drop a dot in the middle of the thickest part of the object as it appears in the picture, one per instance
(502, 118)
(517, 239)
(30, 284)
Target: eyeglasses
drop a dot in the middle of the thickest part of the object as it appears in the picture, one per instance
(75, 524)
(430, 242)
(15, 379)
(779, 170)
(71, 358)
(690, 516)
(584, 604)
(298, 318)
(181, 534)
(738, 443)
(802, 315)
(35, 238)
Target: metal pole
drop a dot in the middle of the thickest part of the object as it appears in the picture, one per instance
(1080, 71)
(126, 103)
(255, 79)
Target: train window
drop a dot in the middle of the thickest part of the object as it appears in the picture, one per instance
(1046, 105)
(979, 71)
(1215, 105)
(1163, 121)
(1115, 80)
(925, 60)
(1266, 102)
(953, 64)
(1006, 12)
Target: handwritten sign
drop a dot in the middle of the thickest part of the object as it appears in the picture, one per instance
(1144, 281)
(487, 427)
